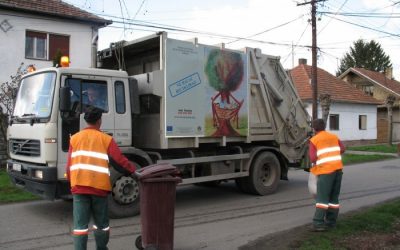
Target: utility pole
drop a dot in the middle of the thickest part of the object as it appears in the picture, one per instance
(390, 99)
(314, 60)
(314, 83)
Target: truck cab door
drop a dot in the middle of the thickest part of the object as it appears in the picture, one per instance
(87, 91)
(122, 121)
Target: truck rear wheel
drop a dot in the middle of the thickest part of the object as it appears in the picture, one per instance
(124, 198)
(265, 173)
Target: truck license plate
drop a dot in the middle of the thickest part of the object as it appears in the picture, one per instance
(16, 167)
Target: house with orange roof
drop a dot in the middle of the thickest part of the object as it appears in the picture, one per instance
(380, 86)
(32, 32)
(353, 114)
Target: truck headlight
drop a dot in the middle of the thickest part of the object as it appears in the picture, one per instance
(38, 174)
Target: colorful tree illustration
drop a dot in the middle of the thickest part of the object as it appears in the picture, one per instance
(225, 71)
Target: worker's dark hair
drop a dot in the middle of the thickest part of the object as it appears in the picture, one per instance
(318, 125)
(93, 114)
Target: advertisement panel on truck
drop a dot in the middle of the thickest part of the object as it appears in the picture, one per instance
(206, 93)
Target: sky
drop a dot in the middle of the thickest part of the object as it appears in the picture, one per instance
(279, 28)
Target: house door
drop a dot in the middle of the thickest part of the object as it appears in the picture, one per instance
(382, 126)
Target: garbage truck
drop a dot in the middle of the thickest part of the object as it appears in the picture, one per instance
(214, 113)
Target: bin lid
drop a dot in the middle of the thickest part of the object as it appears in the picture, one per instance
(156, 170)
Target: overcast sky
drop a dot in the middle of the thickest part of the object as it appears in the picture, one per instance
(280, 28)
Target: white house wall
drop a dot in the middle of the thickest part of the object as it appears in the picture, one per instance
(348, 120)
(12, 45)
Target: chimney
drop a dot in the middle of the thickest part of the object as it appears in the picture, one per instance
(389, 73)
(302, 61)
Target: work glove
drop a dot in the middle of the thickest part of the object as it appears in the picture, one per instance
(135, 176)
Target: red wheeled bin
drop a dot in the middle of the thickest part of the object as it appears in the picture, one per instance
(157, 186)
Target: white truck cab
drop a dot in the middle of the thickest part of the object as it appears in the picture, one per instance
(38, 134)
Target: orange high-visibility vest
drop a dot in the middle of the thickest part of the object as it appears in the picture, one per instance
(89, 159)
(329, 158)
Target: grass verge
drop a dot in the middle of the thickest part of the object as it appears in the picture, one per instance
(378, 220)
(353, 158)
(9, 193)
(384, 148)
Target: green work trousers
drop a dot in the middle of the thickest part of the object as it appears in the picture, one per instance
(85, 206)
(327, 200)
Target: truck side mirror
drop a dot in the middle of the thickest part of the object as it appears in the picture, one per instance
(65, 99)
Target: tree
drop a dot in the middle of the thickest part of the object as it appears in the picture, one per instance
(367, 55)
(8, 93)
(57, 58)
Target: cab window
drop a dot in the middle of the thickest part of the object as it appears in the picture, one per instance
(85, 93)
(119, 97)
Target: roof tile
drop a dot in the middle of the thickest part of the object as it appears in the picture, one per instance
(339, 90)
(379, 78)
(53, 8)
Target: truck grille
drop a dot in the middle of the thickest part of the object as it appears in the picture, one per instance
(25, 147)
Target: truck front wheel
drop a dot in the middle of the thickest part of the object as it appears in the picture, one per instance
(265, 174)
(124, 198)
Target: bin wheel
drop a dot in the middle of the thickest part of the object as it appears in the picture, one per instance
(138, 242)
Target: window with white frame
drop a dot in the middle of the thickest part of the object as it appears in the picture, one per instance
(362, 122)
(45, 46)
(334, 122)
(36, 45)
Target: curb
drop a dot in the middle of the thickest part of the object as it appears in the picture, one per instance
(369, 153)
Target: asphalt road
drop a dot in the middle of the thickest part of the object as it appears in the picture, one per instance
(206, 218)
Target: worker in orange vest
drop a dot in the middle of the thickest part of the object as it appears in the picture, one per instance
(325, 150)
(88, 171)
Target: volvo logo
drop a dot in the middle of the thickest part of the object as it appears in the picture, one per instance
(20, 146)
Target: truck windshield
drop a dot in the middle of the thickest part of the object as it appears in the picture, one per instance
(35, 95)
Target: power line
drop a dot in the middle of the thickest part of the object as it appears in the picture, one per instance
(140, 7)
(126, 21)
(390, 5)
(296, 42)
(361, 20)
(126, 9)
(365, 27)
(122, 14)
(324, 52)
(184, 30)
(358, 14)
(344, 3)
(362, 16)
(267, 30)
